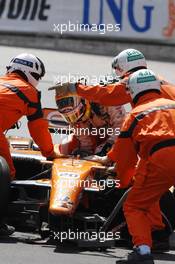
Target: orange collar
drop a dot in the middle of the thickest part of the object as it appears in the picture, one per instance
(147, 98)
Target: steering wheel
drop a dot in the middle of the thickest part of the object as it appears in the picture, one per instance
(81, 152)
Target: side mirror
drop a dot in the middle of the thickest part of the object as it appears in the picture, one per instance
(55, 120)
(17, 125)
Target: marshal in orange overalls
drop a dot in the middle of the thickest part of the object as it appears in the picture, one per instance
(18, 98)
(148, 131)
(116, 94)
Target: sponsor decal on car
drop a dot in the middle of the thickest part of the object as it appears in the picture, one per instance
(69, 175)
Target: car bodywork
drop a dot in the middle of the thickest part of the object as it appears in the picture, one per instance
(66, 195)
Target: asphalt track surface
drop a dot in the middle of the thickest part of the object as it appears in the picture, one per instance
(14, 250)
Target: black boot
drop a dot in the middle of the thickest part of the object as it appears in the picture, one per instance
(6, 230)
(160, 241)
(136, 258)
(161, 246)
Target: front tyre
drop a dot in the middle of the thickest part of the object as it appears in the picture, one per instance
(4, 186)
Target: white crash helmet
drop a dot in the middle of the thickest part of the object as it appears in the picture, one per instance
(142, 81)
(29, 65)
(73, 108)
(127, 61)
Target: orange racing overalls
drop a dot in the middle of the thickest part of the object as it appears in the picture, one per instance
(96, 134)
(116, 94)
(148, 131)
(19, 98)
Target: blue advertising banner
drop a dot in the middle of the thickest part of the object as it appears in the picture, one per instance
(128, 19)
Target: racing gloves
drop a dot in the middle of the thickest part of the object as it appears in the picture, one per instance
(64, 89)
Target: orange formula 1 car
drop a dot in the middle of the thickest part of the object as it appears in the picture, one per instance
(68, 198)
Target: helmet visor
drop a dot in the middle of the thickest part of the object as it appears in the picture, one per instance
(70, 110)
(64, 104)
(43, 71)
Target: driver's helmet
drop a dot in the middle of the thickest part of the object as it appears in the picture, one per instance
(73, 108)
